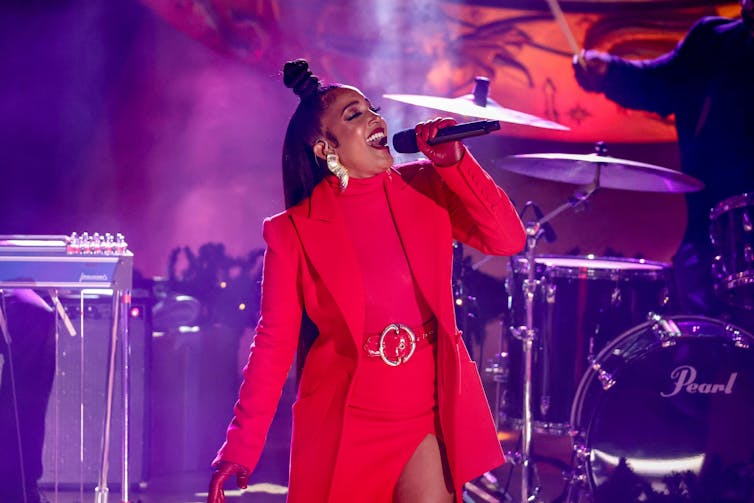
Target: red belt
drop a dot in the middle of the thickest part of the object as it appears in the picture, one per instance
(397, 342)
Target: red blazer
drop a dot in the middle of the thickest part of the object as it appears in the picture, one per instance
(310, 263)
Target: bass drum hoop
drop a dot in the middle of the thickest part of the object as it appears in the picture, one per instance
(595, 368)
(578, 429)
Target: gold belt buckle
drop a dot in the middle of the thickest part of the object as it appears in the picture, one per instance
(403, 340)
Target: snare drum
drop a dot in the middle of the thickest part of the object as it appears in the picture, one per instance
(732, 234)
(580, 304)
(665, 413)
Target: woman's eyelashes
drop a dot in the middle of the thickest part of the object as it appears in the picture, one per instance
(356, 113)
(352, 115)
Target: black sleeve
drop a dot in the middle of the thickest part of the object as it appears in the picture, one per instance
(653, 85)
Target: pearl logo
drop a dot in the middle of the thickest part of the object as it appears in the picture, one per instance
(684, 378)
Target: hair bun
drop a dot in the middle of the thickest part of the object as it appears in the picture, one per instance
(298, 76)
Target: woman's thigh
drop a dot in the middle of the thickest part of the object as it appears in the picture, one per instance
(426, 476)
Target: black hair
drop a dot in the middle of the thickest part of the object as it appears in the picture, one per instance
(301, 171)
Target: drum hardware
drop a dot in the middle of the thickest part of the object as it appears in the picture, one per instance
(498, 368)
(731, 232)
(487, 488)
(737, 336)
(530, 487)
(615, 297)
(652, 425)
(665, 329)
(575, 316)
(466, 305)
(477, 104)
(526, 333)
(577, 480)
(611, 172)
(590, 172)
(605, 378)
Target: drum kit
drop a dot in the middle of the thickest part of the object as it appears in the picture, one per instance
(655, 402)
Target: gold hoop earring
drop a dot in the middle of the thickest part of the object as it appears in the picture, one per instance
(337, 169)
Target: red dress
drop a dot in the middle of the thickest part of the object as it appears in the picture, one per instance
(392, 408)
(348, 409)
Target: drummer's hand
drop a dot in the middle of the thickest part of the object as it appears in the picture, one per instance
(441, 154)
(223, 470)
(591, 73)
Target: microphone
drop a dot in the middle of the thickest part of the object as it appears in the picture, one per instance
(405, 141)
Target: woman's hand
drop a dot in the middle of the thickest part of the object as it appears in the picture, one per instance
(441, 154)
(223, 470)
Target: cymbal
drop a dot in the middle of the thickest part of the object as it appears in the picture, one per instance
(614, 173)
(466, 105)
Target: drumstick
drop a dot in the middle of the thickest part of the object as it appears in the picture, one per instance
(557, 13)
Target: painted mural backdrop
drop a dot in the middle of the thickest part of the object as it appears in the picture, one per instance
(163, 119)
(438, 48)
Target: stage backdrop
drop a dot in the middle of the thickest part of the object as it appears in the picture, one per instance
(164, 119)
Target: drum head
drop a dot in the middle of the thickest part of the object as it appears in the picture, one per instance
(591, 266)
(677, 421)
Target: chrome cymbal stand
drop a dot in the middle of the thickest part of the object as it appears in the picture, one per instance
(527, 333)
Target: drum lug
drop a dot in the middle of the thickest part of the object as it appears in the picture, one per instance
(544, 405)
(582, 453)
(665, 329)
(577, 479)
(737, 337)
(523, 333)
(530, 287)
(513, 457)
(718, 268)
(616, 297)
(605, 378)
(576, 476)
(498, 367)
(746, 221)
(550, 293)
(664, 300)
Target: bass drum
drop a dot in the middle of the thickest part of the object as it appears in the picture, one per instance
(665, 413)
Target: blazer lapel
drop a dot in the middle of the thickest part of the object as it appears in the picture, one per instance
(323, 236)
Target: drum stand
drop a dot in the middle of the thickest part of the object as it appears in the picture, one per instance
(527, 333)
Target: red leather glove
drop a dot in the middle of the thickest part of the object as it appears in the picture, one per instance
(441, 154)
(223, 470)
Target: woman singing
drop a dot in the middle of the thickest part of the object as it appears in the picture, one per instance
(390, 408)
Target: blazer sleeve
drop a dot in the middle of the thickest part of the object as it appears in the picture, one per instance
(481, 213)
(273, 348)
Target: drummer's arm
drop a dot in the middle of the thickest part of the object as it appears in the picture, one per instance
(641, 85)
(653, 85)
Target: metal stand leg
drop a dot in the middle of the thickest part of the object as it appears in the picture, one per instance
(529, 484)
(102, 490)
(126, 390)
(528, 333)
(8, 344)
